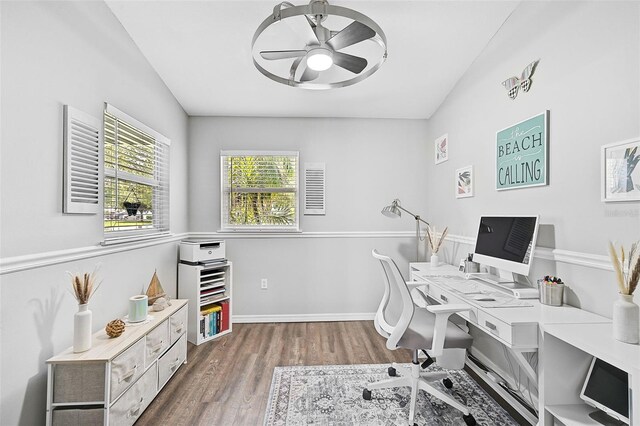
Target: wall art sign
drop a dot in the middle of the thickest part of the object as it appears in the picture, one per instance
(620, 171)
(464, 182)
(521, 154)
(441, 149)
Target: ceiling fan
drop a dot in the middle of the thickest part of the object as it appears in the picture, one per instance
(322, 50)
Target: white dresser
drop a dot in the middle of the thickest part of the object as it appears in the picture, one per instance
(113, 382)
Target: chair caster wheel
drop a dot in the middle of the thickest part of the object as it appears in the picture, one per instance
(469, 420)
(366, 394)
(392, 372)
(447, 383)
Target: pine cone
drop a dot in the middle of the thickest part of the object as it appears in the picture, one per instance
(115, 328)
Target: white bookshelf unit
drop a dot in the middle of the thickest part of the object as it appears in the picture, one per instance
(207, 287)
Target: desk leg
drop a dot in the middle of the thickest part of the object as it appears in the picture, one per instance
(524, 364)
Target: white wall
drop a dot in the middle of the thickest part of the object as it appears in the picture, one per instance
(587, 78)
(326, 269)
(76, 53)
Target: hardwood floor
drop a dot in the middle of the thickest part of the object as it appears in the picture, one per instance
(227, 381)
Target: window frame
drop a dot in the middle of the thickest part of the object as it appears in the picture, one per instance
(225, 227)
(159, 229)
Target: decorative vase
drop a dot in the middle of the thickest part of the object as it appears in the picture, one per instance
(626, 322)
(82, 329)
(435, 261)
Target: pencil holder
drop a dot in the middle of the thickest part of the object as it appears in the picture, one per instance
(550, 294)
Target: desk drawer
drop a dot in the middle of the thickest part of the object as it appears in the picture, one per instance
(446, 297)
(517, 335)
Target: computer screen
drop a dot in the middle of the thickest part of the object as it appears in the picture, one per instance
(506, 242)
(607, 388)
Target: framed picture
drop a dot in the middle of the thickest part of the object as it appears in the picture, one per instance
(464, 182)
(521, 154)
(620, 174)
(442, 149)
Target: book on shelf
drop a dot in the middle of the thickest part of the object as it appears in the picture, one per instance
(224, 321)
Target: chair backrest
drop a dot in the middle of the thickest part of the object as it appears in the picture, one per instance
(396, 307)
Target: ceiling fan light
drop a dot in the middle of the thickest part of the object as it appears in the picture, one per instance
(319, 60)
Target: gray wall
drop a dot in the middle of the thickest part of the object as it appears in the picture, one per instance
(327, 269)
(587, 78)
(76, 53)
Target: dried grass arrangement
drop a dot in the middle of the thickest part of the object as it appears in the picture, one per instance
(626, 267)
(432, 237)
(84, 286)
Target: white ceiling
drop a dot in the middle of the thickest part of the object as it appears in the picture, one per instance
(202, 51)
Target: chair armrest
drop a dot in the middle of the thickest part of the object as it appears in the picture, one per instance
(448, 309)
(442, 313)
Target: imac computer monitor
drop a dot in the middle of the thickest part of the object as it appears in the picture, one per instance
(607, 388)
(506, 242)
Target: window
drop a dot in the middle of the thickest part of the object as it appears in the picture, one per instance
(136, 178)
(259, 190)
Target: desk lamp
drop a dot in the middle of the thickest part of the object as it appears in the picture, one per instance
(393, 211)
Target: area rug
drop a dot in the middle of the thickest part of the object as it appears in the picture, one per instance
(332, 395)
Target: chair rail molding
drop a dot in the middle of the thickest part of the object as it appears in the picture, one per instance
(13, 264)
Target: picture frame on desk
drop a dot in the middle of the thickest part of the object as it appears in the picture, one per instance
(620, 171)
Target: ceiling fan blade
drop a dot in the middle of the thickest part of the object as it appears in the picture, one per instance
(309, 75)
(294, 68)
(355, 64)
(282, 54)
(352, 34)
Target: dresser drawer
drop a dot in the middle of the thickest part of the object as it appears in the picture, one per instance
(157, 341)
(171, 361)
(445, 297)
(78, 417)
(126, 368)
(178, 324)
(135, 400)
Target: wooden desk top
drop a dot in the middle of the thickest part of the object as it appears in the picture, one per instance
(105, 348)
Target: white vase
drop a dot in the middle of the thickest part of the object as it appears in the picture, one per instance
(435, 261)
(82, 329)
(626, 322)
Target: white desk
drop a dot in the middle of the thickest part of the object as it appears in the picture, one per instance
(518, 328)
(567, 351)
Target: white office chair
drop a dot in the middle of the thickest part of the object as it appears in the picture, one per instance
(427, 329)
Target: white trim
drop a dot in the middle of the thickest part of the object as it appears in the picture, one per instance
(22, 263)
(251, 153)
(303, 317)
(596, 261)
(299, 234)
(135, 123)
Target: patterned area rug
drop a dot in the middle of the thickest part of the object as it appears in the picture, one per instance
(332, 395)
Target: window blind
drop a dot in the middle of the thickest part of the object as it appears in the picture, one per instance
(136, 182)
(259, 190)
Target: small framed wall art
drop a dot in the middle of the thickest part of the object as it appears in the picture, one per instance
(620, 174)
(464, 182)
(441, 146)
(521, 154)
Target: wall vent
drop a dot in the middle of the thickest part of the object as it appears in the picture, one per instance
(314, 189)
(82, 162)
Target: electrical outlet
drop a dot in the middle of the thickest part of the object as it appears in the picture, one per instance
(263, 284)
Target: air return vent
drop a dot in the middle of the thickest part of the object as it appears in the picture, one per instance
(82, 162)
(314, 189)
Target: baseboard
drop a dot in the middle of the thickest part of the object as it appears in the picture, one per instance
(304, 317)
